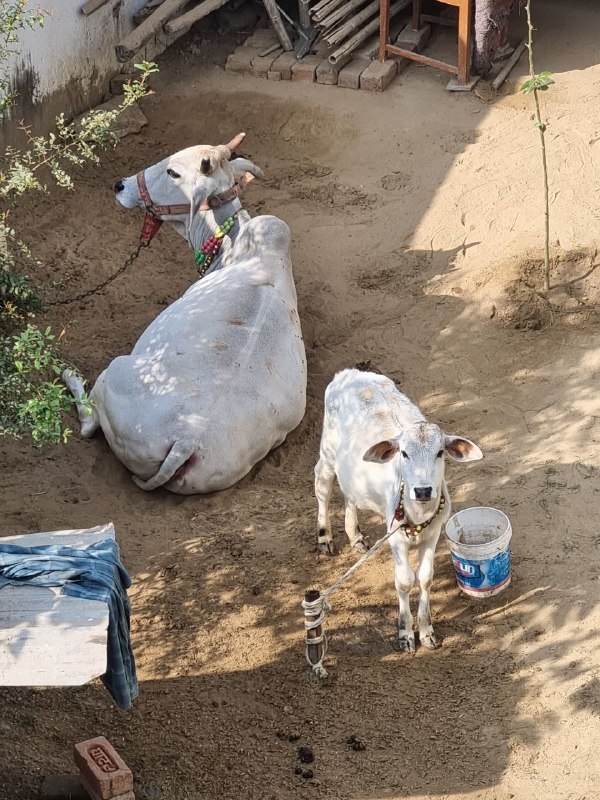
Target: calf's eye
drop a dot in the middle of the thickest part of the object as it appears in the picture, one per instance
(440, 454)
(404, 454)
(173, 174)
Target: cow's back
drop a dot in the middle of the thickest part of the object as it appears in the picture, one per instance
(223, 366)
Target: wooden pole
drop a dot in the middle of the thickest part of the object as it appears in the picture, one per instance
(199, 12)
(278, 25)
(314, 652)
(138, 37)
(464, 42)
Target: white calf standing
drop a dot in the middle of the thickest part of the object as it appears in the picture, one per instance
(389, 460)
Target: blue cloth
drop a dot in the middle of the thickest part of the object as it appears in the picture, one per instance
(94, 573)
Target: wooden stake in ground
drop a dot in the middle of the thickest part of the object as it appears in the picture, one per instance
(536, 84)
(315, 639)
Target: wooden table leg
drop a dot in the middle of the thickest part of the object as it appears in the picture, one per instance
(416, 15)
(464, 41)
(384, 28)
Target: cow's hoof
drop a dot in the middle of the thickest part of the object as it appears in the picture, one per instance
(428, 639)
(360, 546)
(406, 643)
(327, 548)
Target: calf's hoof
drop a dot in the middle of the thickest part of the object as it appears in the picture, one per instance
(327, 548)
(428, 639)
(360, 546)
(406, 642)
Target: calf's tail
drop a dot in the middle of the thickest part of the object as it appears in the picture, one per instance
(176, 458)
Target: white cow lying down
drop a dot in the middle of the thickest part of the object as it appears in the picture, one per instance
(219, 378)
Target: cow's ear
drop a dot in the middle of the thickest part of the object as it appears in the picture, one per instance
(241, 166)
(461, 449)
(382, 452)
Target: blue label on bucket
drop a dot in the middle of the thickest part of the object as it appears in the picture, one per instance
(482, 575)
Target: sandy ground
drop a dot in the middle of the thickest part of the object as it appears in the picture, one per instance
(417, 221)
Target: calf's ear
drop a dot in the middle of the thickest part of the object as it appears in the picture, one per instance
(461, 449)
(382, 452)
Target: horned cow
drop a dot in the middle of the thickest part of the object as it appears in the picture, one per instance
(218, 379)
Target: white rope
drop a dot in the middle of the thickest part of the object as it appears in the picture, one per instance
(321, 605)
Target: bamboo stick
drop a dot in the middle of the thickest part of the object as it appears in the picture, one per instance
(138, 37)
(327, 9)
(318, 6)
(353, 24)
(329, 21)
(278, 25)
(199, 12)
(368, 30)
(304, 14)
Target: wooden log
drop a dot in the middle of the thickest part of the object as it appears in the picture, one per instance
(353, 24)
(504, 73)
(369, 29)
(134, 41)
(199, 12)
(91, 6)
(278, 25)
(146, 11)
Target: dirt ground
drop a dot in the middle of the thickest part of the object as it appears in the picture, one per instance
(417, 222)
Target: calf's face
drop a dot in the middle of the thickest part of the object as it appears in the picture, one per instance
(419, 452)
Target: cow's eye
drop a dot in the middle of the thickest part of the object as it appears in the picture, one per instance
(440, 454)
(173, 174)
(404, 454)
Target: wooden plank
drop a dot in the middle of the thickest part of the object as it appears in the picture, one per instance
(49, 639)
(510, 64)
(91, 6)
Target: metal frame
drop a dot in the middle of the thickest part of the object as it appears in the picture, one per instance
(465, 21)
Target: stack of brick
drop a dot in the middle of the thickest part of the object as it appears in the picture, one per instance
(358, 71)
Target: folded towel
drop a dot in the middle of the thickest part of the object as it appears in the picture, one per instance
(94, 573)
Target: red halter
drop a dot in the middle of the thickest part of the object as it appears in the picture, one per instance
(153, 219)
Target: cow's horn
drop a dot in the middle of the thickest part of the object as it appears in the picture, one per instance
(235, 142)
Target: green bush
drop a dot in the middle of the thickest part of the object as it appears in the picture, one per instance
(33, 401)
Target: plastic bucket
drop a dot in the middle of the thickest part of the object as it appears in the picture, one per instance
(479, 540)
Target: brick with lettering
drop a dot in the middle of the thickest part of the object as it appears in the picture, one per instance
(102, 770)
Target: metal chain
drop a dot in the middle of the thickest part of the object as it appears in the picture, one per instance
(104, 283)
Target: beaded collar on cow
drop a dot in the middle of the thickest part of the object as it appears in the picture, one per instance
(407, 527)
(210, 247)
